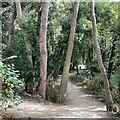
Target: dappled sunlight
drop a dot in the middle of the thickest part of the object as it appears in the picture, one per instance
(77, 105)
(100, 109)
(85, 95)
(41, 109)
(83, 113)
(75, 108)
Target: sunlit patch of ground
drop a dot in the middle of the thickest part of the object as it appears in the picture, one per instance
(77, 105)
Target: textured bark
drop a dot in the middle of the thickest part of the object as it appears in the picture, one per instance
(108, 97)
(11, 34)
(29, 85)
(43, 49)
(77, 70)
(65, 74)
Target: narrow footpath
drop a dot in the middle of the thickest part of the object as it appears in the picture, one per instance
(78, 104)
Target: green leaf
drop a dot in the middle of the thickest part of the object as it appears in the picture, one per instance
(10, 106)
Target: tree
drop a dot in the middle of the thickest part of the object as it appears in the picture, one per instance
(43, 49)
(108, 97)
(29, 81)
(112, 54)
(11, 33)
(65, 74)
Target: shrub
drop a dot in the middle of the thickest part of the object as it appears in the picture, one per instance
(114, 82)
(10, 86)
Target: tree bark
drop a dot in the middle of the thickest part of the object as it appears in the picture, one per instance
(11, 33)
(29, 84)
(77, 70)
(65, 74)
(43, 49)
(108, 97)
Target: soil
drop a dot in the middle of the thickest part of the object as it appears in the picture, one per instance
(78, 104)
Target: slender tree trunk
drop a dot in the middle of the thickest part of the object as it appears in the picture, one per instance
(43, 49)
(11, 33)
(108, 97)
(77, 70)
(65, 74)
(29, 80)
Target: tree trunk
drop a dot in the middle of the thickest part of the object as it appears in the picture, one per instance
(77, 70)
(65, 74)
(43, 49)
(11, 33)
(108, 97)
(28, 47)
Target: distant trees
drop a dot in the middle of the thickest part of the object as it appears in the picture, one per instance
(28, 46)
(11, 33)
(112, 54)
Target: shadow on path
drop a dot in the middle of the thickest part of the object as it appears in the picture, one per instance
(78, 105)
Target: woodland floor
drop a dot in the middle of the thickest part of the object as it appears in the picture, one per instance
(78, 104)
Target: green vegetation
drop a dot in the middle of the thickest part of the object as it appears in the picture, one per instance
(94, 85)
(11, 85)
(38, 34)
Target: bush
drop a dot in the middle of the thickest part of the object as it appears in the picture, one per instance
(81, 79)
(93, 85)
(114, 82)
(52, 90)
(10, 86)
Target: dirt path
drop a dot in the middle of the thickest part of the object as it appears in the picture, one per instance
(78, 105)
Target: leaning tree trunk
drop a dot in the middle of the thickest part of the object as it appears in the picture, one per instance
(11, 33)
(29, 83)
(65, 74)
(43, 49)
(108, 97)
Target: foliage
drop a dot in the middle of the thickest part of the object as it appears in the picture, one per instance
(57, 36)
(115, 81)
(95, 85)
(52, 92)
(11, 84)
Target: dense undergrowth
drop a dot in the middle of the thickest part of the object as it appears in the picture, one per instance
(11, 84)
